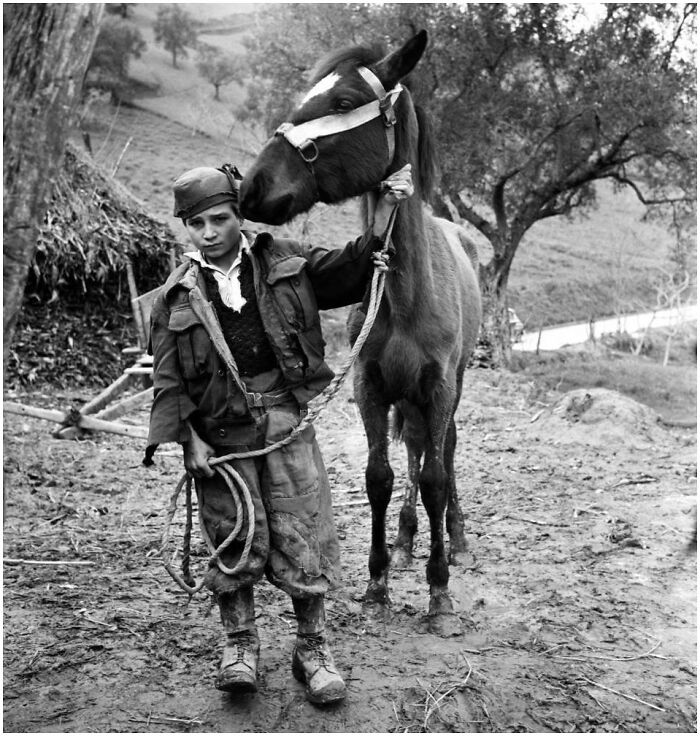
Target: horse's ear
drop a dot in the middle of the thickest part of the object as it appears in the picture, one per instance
(398, 64)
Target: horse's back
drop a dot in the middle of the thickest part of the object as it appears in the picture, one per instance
(459, 240)
(464, 260)
(455, 265)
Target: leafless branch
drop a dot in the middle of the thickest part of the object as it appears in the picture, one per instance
(641, 197)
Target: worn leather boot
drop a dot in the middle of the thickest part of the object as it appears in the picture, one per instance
(239, 663)
(312, 661)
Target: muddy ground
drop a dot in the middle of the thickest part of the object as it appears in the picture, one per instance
(579, 610)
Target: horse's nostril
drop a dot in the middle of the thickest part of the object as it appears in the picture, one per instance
(252, 191)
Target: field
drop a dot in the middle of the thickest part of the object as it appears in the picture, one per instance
(578, 607)
(578, 602)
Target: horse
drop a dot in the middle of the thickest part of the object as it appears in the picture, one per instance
(357, 124)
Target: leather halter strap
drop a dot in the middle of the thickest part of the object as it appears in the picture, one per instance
(304, 135)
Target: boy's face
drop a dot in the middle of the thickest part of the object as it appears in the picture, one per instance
(216, 233)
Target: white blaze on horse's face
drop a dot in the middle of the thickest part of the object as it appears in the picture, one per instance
(321, 87)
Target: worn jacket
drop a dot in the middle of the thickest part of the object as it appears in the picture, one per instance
(194, 373)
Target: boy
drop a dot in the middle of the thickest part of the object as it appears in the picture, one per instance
(237, 356)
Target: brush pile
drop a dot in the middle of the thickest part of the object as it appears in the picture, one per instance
(77, 316)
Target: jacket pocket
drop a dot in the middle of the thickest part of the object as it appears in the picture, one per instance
(292, 291)
(193, 344)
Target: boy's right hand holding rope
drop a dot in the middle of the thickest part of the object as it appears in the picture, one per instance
(196, 454)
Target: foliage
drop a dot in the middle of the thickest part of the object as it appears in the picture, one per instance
(531, 104)
(121, 9)
(117, 43)
(218, 68)
(175, 29)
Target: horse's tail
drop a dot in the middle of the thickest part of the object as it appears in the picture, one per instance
(396, 424)
(406, 425)
(427, 162)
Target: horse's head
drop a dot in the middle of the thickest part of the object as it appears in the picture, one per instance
(339, 142)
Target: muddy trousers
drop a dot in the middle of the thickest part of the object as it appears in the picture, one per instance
(237, 611)
(295, 542)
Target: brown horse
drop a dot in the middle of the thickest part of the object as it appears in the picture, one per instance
(355, 126)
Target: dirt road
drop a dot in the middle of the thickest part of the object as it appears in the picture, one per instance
(578, 611)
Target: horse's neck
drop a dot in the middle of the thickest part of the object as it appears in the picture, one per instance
(410, 263)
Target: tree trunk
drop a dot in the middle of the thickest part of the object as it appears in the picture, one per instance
(174, 53)
(494, 337)
(216, 93)
(47, 47)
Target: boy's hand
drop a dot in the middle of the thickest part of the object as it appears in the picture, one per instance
(196, 454)
(398, 186)
(380, 261)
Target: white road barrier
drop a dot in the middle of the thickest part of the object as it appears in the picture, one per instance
(553, 338)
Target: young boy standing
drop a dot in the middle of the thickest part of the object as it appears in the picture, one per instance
(237, 356)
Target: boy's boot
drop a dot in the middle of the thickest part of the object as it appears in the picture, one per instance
(312, 661)
(239, 664)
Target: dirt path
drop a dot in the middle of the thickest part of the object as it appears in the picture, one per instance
(579, 609)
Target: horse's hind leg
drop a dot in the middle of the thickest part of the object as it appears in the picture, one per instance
(459, 554)
(413, 434)
(379, 479)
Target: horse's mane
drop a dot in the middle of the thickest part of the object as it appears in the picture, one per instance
(358, 55)
(426, 175)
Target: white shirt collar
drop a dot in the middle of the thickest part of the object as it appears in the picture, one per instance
(243, 246)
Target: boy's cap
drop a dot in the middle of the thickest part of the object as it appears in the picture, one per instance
(198, 189)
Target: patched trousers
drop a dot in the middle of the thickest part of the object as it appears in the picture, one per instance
(295, 543)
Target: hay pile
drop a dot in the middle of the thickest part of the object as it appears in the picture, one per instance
(93, 228)
(76, 315)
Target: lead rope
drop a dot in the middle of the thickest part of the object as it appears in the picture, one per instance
(236, 484)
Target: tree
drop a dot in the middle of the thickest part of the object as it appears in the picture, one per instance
(46, 51)
(117, 42)
(532, 103)
(217, 67)
(176, 29)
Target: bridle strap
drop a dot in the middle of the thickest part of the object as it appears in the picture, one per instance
(304, 135)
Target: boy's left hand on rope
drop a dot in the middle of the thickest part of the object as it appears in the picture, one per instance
(380, 261)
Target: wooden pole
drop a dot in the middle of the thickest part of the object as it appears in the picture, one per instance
(85, 422)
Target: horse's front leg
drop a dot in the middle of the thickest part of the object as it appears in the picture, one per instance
(433, 489)
(379, 478)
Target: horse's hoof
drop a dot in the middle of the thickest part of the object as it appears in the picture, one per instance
(376, 612)
(401, 557)
(463, 558)
(376, 593)
(445, 625)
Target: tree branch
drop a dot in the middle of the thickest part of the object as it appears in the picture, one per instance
(641, 197)
(479, 222)
(688, 10)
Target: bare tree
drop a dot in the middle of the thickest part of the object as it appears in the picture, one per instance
(47, 47)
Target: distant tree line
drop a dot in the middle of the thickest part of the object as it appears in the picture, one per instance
(176, 30)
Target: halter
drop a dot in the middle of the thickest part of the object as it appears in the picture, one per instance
(303, 136)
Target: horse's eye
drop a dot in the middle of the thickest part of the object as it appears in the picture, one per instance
(343, 105)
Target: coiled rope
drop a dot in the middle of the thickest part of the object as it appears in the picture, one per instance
(235, 483)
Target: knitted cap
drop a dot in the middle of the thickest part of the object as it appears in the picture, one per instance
(198, 189)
